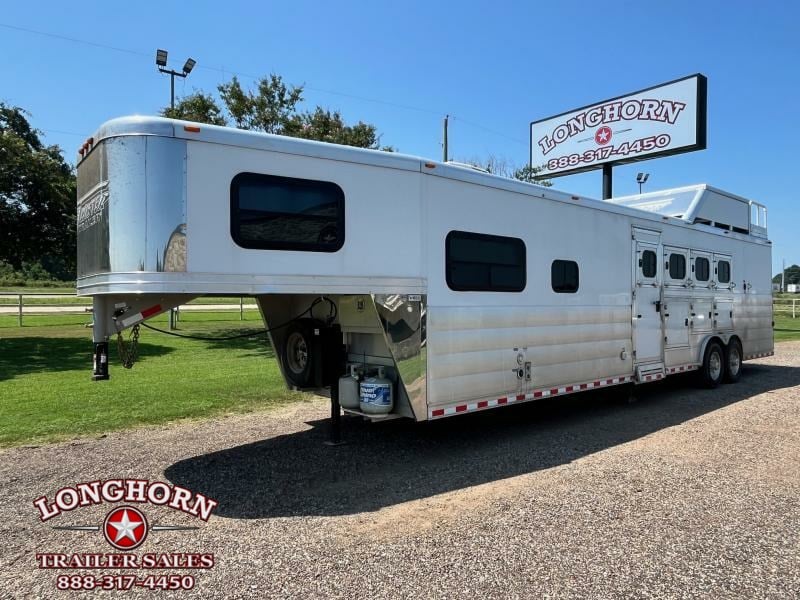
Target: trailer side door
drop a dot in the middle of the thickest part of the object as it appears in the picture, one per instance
(648, 277)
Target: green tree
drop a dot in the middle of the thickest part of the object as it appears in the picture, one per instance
(504, 168)
(327, 126)
(197, 107)
(274, 107)
(529, 173)
(270, 108)
(792, 275)
(37, 199)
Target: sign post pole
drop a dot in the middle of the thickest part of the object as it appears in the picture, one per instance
(607, 181)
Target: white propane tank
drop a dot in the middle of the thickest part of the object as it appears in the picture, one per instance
(348, 389)
(377, 395)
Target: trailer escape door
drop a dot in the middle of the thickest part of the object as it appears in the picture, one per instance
(647, 279)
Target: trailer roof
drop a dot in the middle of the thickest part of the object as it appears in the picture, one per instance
(644, 206)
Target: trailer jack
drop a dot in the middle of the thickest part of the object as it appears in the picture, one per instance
(335, 432)
(100, 372)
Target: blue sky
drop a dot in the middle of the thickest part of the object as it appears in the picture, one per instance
(403, 65)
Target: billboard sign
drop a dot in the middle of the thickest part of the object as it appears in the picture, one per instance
(666, 119)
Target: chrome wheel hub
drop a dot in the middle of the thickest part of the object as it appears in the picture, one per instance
(715, 365)
(297, 353)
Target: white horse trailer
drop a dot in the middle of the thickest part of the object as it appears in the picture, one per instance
(471, 291)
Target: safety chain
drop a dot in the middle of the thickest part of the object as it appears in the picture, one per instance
(129, 353)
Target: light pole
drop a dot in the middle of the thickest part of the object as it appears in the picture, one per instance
(161, 63)
(641, 178)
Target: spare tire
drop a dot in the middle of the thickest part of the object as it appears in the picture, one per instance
(298, 354)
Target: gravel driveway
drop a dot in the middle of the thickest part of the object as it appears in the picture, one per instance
(687, 493)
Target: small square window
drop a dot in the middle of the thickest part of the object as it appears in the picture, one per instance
(648, 264)
(701, 269)
(677, 266)
(724, 271)
(564, 276)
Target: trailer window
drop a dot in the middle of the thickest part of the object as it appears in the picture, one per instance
(564, 276)
(476, 262)
(677, 266)
(648, 264)
(724, 271)
(701, 269)
(284, 213)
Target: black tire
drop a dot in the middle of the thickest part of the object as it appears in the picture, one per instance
(733, 361)
(712, 371)
(297, 354)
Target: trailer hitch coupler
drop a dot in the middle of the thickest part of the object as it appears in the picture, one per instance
(100, 361)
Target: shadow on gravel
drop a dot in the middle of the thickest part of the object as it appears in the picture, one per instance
(20, 356)
(386, 464)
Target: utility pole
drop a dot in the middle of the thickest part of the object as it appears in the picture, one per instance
(446, 118)
(783, 276)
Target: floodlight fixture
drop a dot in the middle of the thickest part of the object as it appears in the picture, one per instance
(161, 63)
(641, 178)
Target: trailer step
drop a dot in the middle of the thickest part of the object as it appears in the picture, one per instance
(650, 372)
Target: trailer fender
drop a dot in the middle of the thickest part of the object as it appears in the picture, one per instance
(722, 340)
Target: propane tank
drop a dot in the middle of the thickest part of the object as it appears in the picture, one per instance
(348, 389)
(377, 396)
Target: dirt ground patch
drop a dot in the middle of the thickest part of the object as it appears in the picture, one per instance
(687, 493)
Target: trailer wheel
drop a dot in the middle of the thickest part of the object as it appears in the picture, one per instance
(733, 362)
(713, 369)
(298, 353)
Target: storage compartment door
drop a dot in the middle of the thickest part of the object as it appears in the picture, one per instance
(676, 323)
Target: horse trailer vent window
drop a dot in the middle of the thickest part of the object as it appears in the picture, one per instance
(724, 271)
(476, 262)
(677, 266)
(284, 213)
(701, 269)
(648, 264)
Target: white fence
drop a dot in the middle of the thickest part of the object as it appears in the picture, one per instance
(786, 306)
(65, 304)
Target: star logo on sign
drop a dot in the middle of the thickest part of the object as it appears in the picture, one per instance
(603, 135)
(125, 528)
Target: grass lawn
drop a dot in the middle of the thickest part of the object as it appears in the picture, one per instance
(46, 391)
(786, 328)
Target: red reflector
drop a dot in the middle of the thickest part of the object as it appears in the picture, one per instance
(191, 128)
(430, 165)
(151, 311)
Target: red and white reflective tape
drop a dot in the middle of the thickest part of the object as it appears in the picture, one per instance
(682, 369)
(141, 316)
(653, 377)
(759, 355)
(535, 395)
